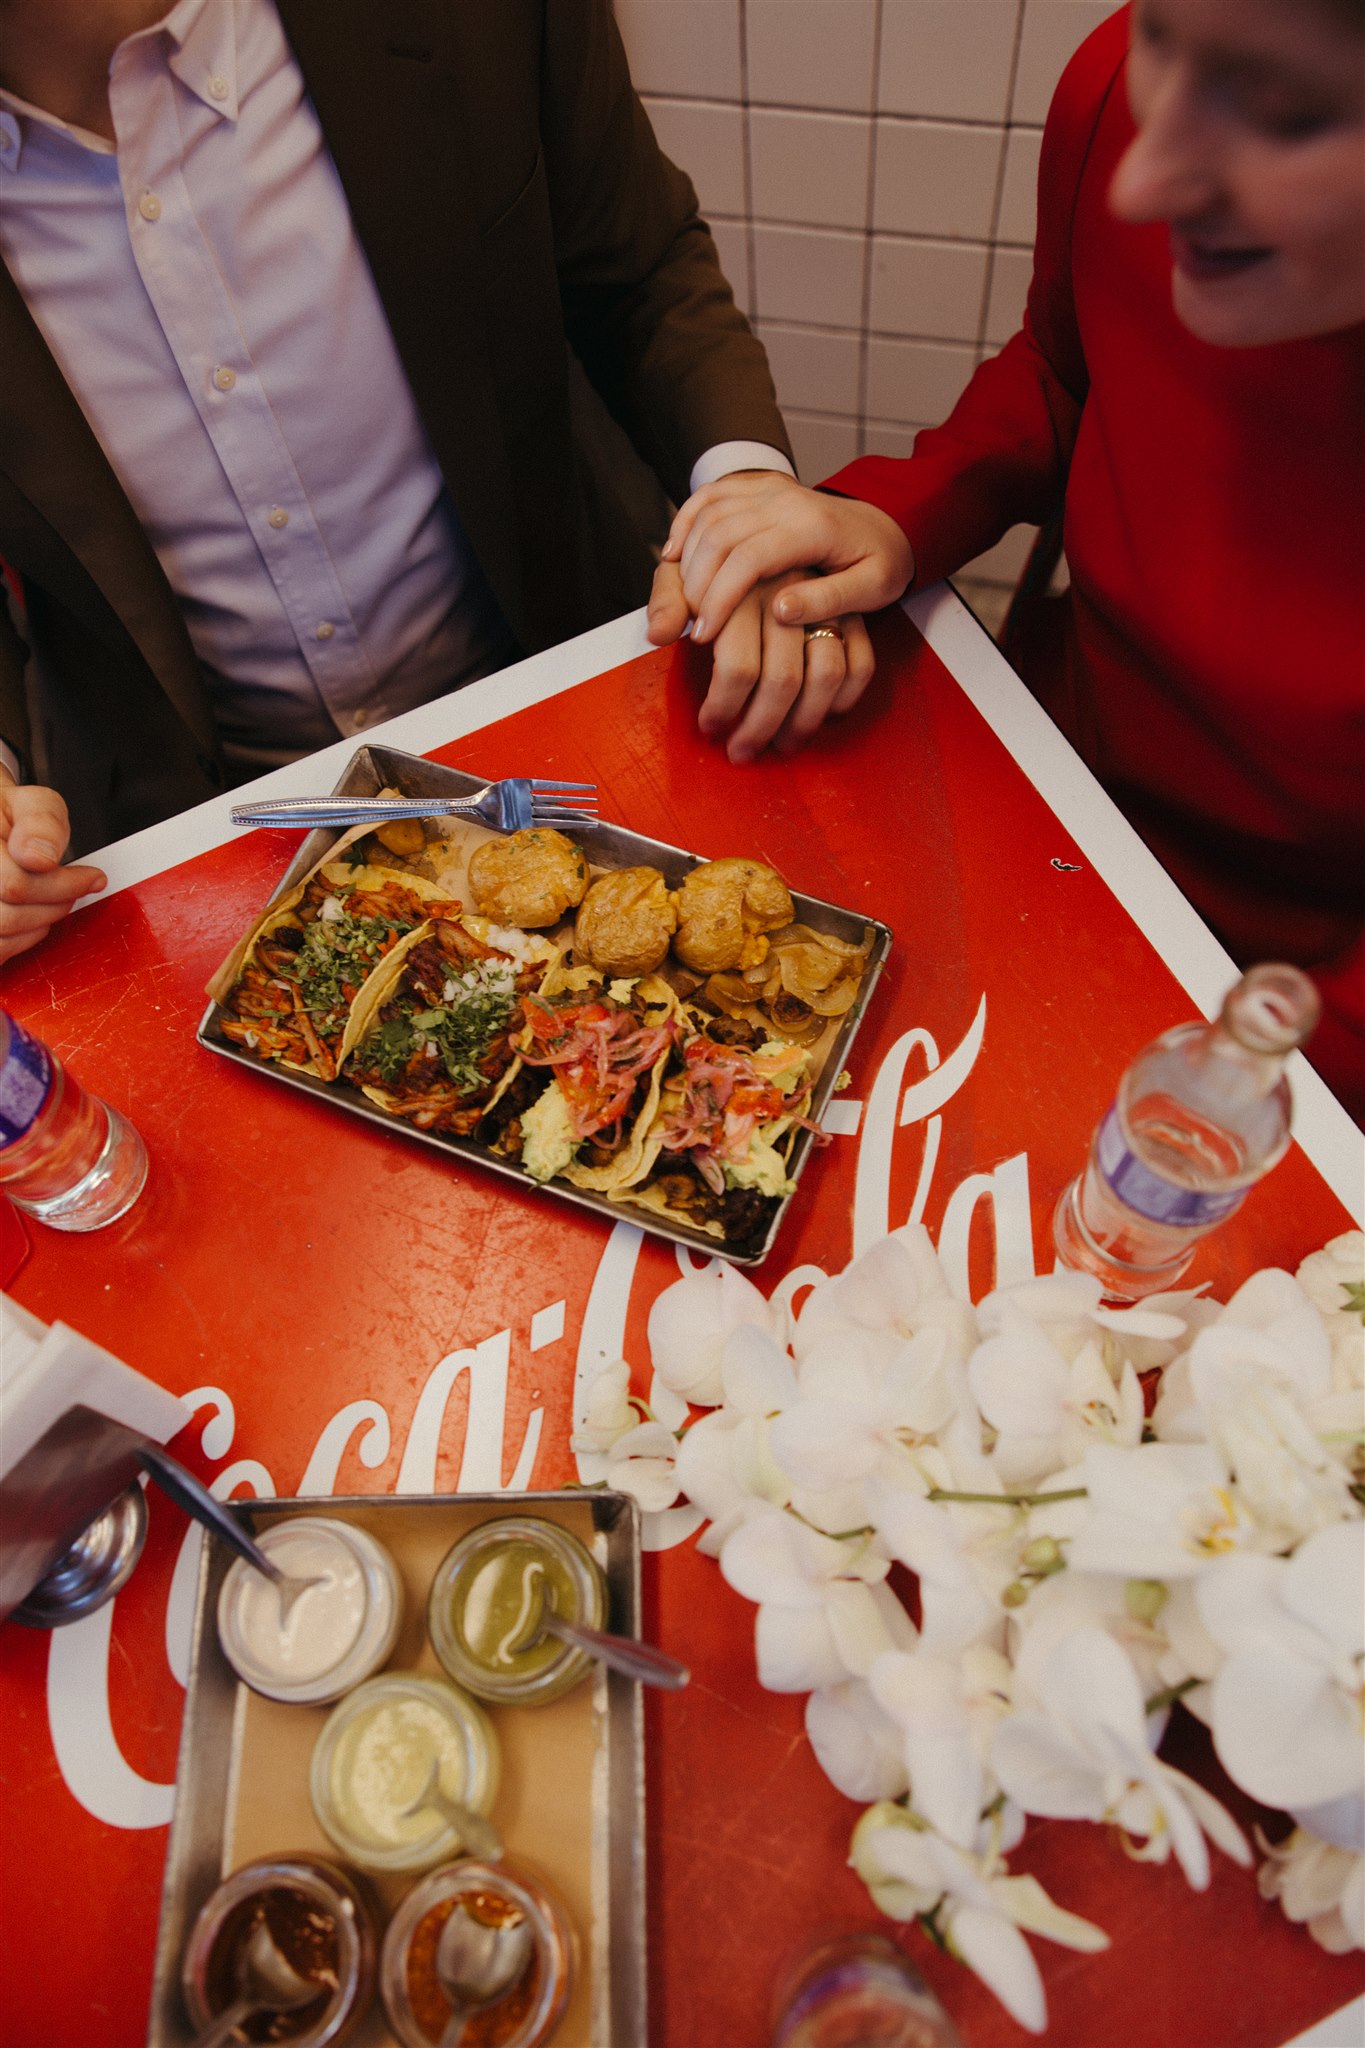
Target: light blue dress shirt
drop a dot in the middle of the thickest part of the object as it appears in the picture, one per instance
(203, 292)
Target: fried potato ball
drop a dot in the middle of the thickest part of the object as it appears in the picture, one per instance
(724, 909)
(529, 879)
(626, 921)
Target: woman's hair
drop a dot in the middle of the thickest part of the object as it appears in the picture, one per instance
(1350, 13)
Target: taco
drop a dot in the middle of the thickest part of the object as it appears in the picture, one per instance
(293, 986)
(592, 1055)
(715, 1155)
(434, 1024)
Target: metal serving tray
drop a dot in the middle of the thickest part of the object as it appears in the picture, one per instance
(607, 846)
(240, 1754)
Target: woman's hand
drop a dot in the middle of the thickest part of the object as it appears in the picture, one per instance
(758, 524)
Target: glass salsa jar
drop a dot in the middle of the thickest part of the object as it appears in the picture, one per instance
(373, 1757)
(337, 1632)
(323, 1926)
(530, 2010)
(485, 1599)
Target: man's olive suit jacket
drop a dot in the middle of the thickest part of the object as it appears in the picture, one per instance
(514, 208)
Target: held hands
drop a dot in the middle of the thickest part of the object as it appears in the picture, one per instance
(35, 889)
(738, 561)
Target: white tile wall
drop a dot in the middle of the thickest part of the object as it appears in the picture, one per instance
(869, 170)
(809, 167)
(948, 58)
(1019, 191)
(812, 53)
(814, 369)
(927, 288)
(808, 275)
(707, 138)
(936, 177)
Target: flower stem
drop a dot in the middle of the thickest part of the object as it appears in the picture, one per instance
(1010, 1500)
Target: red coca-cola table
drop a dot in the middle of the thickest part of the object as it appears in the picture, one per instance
(345, 1313)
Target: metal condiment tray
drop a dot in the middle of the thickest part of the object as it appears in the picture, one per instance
(607, 846)
(199, 1854)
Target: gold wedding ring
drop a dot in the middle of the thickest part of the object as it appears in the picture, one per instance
(823, 633)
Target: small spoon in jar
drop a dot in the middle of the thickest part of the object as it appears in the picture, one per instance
(266, 1982)
(476, 1965)
(190, 1494)
(640, 1661)
(478, 1836)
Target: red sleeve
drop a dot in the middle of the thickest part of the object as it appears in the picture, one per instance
(1001, 457)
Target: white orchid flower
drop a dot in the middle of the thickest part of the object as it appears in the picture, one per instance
(946, 1708)
(692, 1322)
(1084, 1754)
(863, 1408)
(857, 1746)
(1161, 1511)
(964, 1556)
(1261, 1377)
(895, 1290)
(1334, 1281)
(644, 1462)
(978, 1908)
(1046, 1404)
(1158, 1627)
(1286, 1704)
(725, 1464)
(608, 1410)
(1319, 1884)
(1069, 1307)
(823, 1613)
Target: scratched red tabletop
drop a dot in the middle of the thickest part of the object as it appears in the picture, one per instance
(346, 1313)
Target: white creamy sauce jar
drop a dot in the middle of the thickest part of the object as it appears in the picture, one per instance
(337, 1632)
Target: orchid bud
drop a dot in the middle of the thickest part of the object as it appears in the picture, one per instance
(1143, 1599)
(1044, 1556)
(1015, 1594)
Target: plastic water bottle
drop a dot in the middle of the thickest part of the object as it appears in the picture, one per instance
(860, 1992)
(65, 1156)
(1200, 1116)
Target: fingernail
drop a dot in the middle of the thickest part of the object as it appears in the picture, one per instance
(670, 548)
(786, 611)
(740, 757)
(699, 627)
(686, 633)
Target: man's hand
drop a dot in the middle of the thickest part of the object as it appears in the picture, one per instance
(769, 681)
(746, 528)
(35, 889)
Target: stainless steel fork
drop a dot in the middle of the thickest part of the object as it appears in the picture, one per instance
(507, 806)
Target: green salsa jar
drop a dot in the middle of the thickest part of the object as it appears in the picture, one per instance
(486, 1599)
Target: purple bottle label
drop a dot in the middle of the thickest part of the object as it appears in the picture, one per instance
(1151, 1194)
(25, 1077)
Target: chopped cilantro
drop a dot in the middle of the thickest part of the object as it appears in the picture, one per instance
(462, 1030)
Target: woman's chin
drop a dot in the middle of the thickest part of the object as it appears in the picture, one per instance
(1258, 309)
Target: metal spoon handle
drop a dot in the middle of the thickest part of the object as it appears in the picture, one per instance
(455, 2029)
(190, 1494)
(478, 1836)
(227, 2023)
(640, 1661)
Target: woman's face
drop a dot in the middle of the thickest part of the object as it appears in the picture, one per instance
(1251, 145)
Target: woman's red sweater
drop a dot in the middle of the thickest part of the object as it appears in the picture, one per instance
(1210, 660)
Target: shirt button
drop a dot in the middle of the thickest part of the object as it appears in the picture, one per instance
(278, 516)
(224, 378)
(218, 88)
(149, 206)
(326, 630)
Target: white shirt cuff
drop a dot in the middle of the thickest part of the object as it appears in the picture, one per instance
(728, 456)
(9, 759)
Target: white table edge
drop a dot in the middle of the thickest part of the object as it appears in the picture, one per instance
(1204, 970)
